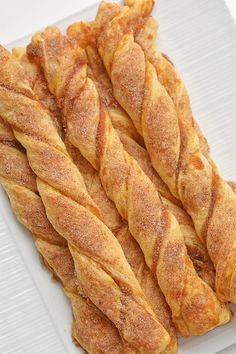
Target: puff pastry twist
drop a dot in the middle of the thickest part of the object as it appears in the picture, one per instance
(104, 274)
(112, 219)
(146, 37)
(130, 247)
(162, 115)
(129, 138)
(195, 308)
(91, 329)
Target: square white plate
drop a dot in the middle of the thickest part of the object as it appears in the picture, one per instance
(200, 38)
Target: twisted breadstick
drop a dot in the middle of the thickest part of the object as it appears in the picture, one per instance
(83, 33)
(104, 274)
(90, 328)
(126, 131)
(93, 331)
(120, 229)
(173, 143)
(128, 134)
(120, 119)
(130, 247)
(145, 36)
(194, 306)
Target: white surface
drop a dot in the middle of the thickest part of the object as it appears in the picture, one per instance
(18, 18)
(232, 7)
(201, 39)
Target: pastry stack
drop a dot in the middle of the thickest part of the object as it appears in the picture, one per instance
(103, 162)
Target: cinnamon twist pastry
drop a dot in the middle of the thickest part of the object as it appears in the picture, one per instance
(123, 125)
(129, 136)
(120, 120)
(104, 274)
(162, 115)
(93, 331)
(130, 247)
(195, 308)
(115, 223)
(145, 36)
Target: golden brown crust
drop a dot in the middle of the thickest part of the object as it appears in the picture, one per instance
(123, 124)
(145, 36)
(92, 330)
(196, 250)
(99, 75)
(120, 120)
(105, 276)
(130, 247)
(98, 335)
(37, 82)
(194, 306)
(160, 110)
(119, 228)
(128, 136)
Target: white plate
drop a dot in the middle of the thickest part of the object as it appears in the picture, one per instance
(200, 37)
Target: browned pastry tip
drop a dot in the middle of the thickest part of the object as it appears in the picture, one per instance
(91, 329)
(195, 308)
(105, 276)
